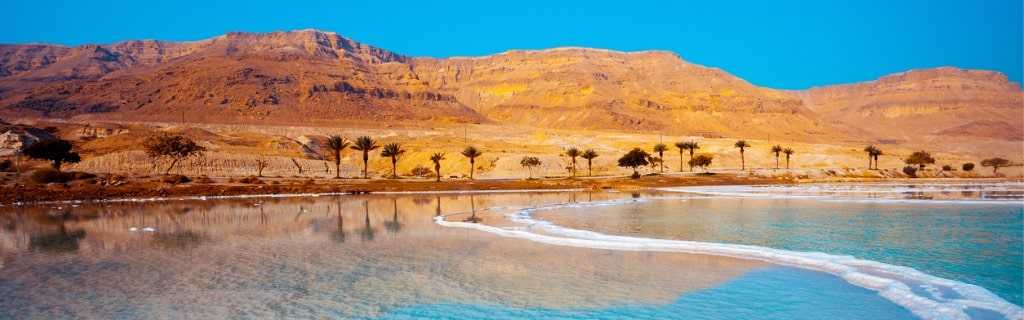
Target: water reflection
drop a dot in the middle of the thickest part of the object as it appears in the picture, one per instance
(60, 241)
(393, 226)
(367, 233)
(338, 235)
(289, 258)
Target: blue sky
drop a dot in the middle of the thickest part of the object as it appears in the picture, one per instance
(779, 44)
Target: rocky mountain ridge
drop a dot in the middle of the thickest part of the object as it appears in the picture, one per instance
(311, 77)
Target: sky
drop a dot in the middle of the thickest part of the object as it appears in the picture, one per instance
(781, 44)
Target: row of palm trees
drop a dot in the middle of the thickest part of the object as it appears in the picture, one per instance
(337, 143)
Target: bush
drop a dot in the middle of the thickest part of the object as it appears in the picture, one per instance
(46, 176)
(947, 168)
(910, 171)
(175, 179)
(204, 179)
(250, 180)
(968, 166)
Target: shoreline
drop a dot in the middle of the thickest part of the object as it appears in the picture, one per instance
(153, 188)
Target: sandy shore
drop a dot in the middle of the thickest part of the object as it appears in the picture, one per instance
(145, 188)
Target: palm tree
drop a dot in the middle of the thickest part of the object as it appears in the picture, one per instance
(660, 149)
(689, 145)
(573, 152)
(788, 153)
(365, 144)
(436, 158)
(742, 144)
(776, 149)
(682, 146)
(875, 155)
(336, 143)
(392, 150)
(471, 152)
(870, 149)
(590, 154)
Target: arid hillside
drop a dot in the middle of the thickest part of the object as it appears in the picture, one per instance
(519, 102)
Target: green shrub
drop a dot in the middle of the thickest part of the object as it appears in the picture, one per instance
(175, 179)
(910, 171)
(968, 166)
(46, 176)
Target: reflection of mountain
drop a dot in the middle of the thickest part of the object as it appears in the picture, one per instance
(60, 241)
(249, 261)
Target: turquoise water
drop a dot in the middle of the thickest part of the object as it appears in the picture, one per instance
(388, 256)
(776, 293)
(974, 242)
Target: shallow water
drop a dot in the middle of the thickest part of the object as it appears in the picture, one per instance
(978, 243)
(378, 256)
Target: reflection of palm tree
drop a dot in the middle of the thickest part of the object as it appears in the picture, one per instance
(367, 233)
(62, 241)
(339, 235)
(393, 226)
(437, 212)
(472, 218)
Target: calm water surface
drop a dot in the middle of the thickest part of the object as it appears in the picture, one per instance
(374, 257)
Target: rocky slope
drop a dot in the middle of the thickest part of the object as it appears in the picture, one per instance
(318, 78)
(934, 103)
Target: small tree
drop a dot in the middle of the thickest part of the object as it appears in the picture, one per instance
(788, 152)
(337, 143)
(365, 144)
(175, 147)
(56, 150)
(472, 153)
(910, 171)
(870, 149)
(689, 145)
(392, 150)
(589, 154)
(261, 163)
(701, 161)
(776, 149)
(995, 163)
(529, 162)
(634, 159)
(920, 158)
(742, 144)
(660, 149)
(968, 166)
(436, 159)
(573, 152)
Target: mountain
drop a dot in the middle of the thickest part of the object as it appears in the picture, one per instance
(932, 103)
(319, 78)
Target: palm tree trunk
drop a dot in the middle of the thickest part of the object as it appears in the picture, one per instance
(472, 166)
(337, 164)
(691, 160)
(437, 169)
(787, 162)
(590, 169)
(366, 171)
(394, 167)
(680, 160)
(743, 161)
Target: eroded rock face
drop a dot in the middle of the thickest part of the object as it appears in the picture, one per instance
(942, 101)
(320, 78)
